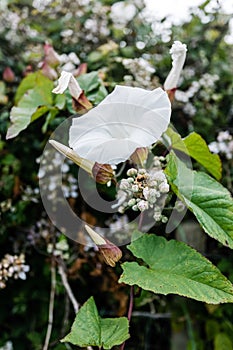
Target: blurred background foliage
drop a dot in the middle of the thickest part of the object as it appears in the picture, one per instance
(125, 45)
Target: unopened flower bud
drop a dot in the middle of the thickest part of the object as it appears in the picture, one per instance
(135, 188)
(110, 252)
(139, 156)
(124, 184)
(48, 71)
(85, 164)
(143, 205)
(82, 69)
(8, 75)
(131, 202)
(103, 173)
(132, 172)
(51, 56)
(164, 187)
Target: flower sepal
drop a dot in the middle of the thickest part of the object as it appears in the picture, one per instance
(102, 173)
(110, 252)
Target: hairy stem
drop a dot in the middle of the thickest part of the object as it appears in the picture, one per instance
(51, 305)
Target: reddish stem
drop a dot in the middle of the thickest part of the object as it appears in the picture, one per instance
(130, 310)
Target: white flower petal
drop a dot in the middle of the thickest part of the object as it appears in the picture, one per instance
(178, 53)
(126, 119)
(67, 80)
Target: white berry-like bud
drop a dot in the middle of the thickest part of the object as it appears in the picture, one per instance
(132, 202)
(135, 207)
(132, 172)
(164, 187)
(135, 188)
(143, 205)
(124, 185)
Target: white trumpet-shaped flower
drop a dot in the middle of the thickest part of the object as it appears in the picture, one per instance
(125, 120)
(67, 80)
(178, 54)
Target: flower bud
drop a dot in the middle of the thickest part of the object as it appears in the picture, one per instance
(8, 75)
(110, 252)
(132, 172)
(178, 54)
(139, 156)
(48, 71)
(51, 56)
(102, 173)
(82, 69)
(85, 164)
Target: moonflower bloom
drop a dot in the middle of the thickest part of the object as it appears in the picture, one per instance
(127, 119)
(67, 80)
(178, 53)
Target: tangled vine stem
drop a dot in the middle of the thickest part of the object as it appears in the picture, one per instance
(67, 286)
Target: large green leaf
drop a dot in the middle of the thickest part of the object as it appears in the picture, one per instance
(174, 267)
(195, 146)
(33, 104)
(89, 329)
(30, 82)
(210, 202)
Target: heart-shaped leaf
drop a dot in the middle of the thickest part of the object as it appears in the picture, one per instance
(174, 267)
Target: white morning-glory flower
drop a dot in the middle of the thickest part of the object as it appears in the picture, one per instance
(126, 119)
(178, 53)
(67, 80)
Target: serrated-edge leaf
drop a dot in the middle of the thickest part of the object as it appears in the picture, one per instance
(114, 335)
(210, 202)
(86, 327)
(195, 146)
(172, 267)
(199, 151)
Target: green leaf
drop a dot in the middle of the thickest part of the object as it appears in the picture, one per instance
(174, 267)
(33, 104)
(30, 82)
(210, 202)
(195, 146)
(89, 81)
(199, 150)
(3, 96)
(89, 329)
(222, 342)
(60, 101)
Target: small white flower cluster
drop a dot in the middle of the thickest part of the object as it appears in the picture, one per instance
(12, 266)
(7, 346)
(61, 249)
(144, 189)
(141, 71)
(223, 145)
(205, 87)
(207, 82)
(122, 12)
(69, 62)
